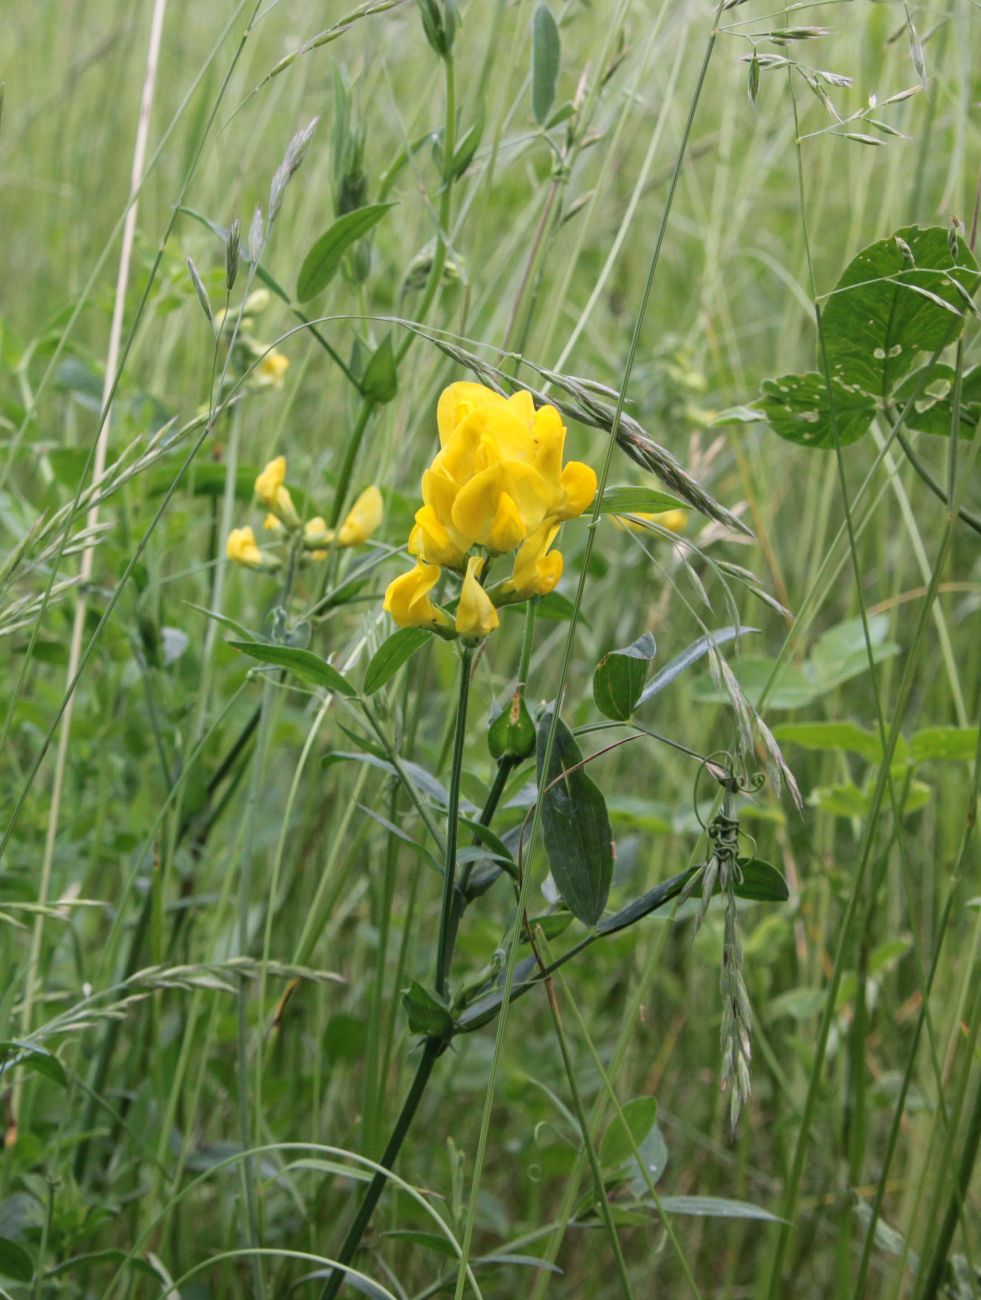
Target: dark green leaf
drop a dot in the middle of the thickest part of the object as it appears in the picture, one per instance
(796, 407)
(421, 779)
(638, 501)
(761, 882)
(304, 663)
(427, 1013)
(15, 1262)
(625, 1135)
(379, 383)
(577, 832)
(933, 409)
(619, 678)
(899, 297)
(545, 58)
(391, 655)
(321, 263)
(428, 1240)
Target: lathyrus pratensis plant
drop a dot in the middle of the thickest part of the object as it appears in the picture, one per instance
(483, 541)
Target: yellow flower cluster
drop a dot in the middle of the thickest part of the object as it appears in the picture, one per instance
(496, 485)
(271, 492)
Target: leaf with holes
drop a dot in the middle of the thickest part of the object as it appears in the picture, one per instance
(797, 408)
(898, 298)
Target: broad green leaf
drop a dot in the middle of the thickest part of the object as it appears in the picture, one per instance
(627, 1133)
(829, 737)
(797, 408)
(379, 383)
(391, 655)
(577, 832)
(898, 298)
(638, 501)
(761, 882)
(545, 57)
(304, 663)
(422, 781)
(841, 653)
(619, 678)
(792, 688)
(847, 800)
(321, 263)
(427, 1013)
(799, 1004)
(15, 1262)
(945, 742)
(933, 409)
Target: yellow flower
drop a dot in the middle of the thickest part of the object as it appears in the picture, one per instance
(430, 541)
(673, 520)
(362, 519)
(271, 524)
(537, 570)
(407, 598)
(271, 370)
(316, 532)
(475, 613)
(271, 493)
(242, 549)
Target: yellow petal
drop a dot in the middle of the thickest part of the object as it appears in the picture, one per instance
(459, 400)
(508, 529)
(432, 542)
(475, 613)
(242, 549)
(270, 481)
(362, 519)
(407, 598)
(272, 524)
(537, 570)
(271, 370)
(578, 489)
(316, 532)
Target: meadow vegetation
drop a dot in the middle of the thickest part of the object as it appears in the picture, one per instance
(489, 597)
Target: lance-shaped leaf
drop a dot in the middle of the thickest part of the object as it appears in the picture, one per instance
(391, 655)
(619, 678)
(304, 663)
(899, 297)
(321, 263)
(545, 56)
(798, 408)
(576, 825)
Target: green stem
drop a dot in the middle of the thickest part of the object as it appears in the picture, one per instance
(963, 513)
(444, 943)
(432, 1049)
(347, 465)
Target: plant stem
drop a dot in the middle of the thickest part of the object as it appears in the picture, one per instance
(432, 1048)
(444, 943)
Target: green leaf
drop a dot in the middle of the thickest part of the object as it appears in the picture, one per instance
(797, 408)
(391, 655)
(830, 737)
(638, 501)
(847, 800)
(933, 410)
(899, 297)
(15, 1262)
(841, 654)
(717, 1207)
(304, 663)
(577, 832)
(626, 1134)
(945, 742)
(379, 383)
(427, 1013)
(545, 57)
(427, 1240)
(321, 263)
(619, 678)
(792, 689)
(690, 655)
(761, 882)
(33, 1057)
(512, 733)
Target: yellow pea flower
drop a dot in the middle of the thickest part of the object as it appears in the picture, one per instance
(431, 541)
(242, 548)
(500, 506)
(537, 570)
(407, 598)
(271, 493)
(272, 525)
(673, 520)
(457, 401)
(316, 533)
(271, 370)
(475, 613)
(362, 519)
